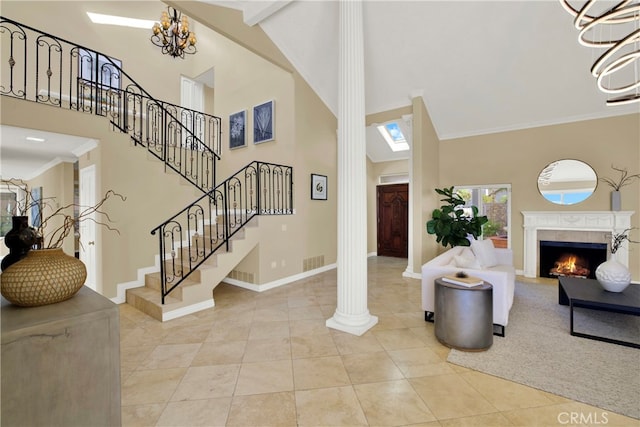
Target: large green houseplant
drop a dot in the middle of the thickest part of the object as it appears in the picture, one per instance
(450, 224)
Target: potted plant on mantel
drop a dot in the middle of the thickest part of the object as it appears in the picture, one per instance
(624, 179)
(613, 275)
(36, 271)
(451, 224)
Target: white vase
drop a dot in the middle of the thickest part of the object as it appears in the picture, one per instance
(616, 201)
(613, 276)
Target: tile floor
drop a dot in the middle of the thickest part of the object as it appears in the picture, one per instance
(267, 359)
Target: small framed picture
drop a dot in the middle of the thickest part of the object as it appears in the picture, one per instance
(263, 123)
(318, 187)
(238, 129)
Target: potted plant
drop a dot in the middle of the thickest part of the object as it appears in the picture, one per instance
(451, 224)
(37, 271)
(613, 275)
(616, 185)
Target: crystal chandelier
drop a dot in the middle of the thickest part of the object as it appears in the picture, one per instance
(172, 34)
(616, 29)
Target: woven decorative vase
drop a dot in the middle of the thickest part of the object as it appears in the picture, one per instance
(44, 276)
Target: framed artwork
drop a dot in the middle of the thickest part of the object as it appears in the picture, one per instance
(238, 129)
(36, 207)
(318, 187)
(263, 126)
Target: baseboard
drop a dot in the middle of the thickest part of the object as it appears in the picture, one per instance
(411, 275)
(279, 282)
(183, 311)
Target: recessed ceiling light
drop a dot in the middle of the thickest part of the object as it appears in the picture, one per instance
(35, 139)
(98, 18)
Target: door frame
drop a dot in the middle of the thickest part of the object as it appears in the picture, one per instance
(408, 218)
(88, 229)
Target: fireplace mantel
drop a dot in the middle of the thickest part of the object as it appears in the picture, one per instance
(608, 221)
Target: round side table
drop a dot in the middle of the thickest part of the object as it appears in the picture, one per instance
(464, 315)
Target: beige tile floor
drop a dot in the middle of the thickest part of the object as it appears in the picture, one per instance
(267, 359)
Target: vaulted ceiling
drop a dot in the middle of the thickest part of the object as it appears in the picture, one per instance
(481, 66)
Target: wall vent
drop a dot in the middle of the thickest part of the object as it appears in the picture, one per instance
(242, 276)
(313, 263)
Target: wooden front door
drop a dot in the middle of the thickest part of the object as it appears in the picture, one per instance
(393, 220)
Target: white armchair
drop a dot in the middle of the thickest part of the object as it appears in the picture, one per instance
(497, 269)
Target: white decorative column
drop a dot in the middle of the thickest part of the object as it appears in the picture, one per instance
(351, 315)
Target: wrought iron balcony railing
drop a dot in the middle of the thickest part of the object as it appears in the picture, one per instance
(50, 70)
(191, 236)
(63, 74)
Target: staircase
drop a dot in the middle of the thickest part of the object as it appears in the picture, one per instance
(195, 293)
(202, 243)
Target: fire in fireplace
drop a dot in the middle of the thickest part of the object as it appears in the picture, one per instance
(570, 265)
(571, 258)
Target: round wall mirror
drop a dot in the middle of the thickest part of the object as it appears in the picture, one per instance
(567, 182)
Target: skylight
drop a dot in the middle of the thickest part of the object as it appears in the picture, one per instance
(393, 135)
(98, 18)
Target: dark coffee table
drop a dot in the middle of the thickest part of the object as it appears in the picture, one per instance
(588, 293)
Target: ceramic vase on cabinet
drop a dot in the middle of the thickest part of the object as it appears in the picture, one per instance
(43, 276)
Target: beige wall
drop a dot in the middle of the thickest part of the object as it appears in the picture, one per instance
(517, 157)
(305, 137)
(132, 46)
(57, 192)
(426, 169)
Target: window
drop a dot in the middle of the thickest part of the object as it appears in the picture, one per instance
(10, 196)
(7, 202)
(494, 201)
(103, 72)
(392, 133)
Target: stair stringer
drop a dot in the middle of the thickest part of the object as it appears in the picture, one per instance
(193, 295)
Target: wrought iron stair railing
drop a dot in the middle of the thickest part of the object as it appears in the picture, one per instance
(67, 75)
(50, 70)
(195, 233)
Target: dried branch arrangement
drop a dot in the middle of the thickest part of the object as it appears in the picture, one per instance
(23, 196)
(55, 237)
(619, 238)
(624, 179)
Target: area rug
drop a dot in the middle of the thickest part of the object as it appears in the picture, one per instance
(538, 351)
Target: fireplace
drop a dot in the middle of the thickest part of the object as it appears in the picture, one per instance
(576, 259)
(571, 226)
